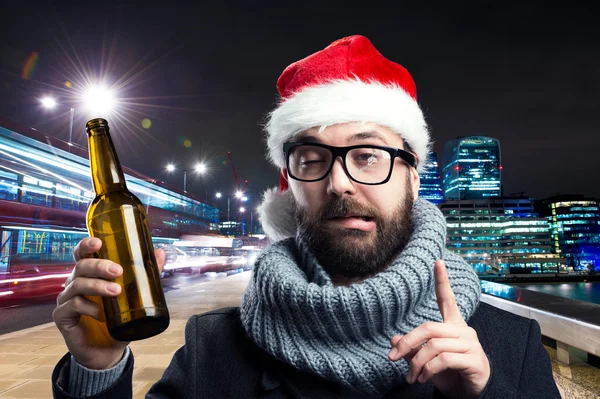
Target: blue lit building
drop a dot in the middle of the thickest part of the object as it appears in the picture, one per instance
(431, 182)
(43, 178)
(501, 236)
(471, 168)
(575, 227)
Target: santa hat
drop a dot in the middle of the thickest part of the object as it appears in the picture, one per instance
(348, 81)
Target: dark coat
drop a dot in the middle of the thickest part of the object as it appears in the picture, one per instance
(218, 360)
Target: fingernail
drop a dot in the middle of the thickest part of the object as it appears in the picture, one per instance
(113, 287)
(114, 269)
(95, 241)
(393, 353)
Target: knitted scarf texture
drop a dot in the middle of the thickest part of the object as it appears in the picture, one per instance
(292, 310)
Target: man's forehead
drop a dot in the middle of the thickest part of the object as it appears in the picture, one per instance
(352, 132)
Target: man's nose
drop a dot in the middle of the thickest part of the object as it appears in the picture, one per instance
(339, 182)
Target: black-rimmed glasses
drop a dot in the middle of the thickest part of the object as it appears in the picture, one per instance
(365, 164)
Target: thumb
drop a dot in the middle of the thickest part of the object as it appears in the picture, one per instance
(160, 259)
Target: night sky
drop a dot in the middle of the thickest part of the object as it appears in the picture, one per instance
(526, 75)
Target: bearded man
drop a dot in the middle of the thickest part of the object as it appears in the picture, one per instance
(357, 296)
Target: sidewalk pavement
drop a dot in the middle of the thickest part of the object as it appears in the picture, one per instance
(27, 357)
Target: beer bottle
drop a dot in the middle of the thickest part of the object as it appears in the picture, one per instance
(118, 218)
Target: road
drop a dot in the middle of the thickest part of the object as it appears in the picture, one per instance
(25, 314)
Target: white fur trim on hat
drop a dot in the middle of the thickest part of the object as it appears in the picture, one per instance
(277, 214)
(345, 101)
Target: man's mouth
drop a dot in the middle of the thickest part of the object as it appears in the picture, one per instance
(354, 221)
(365, 218)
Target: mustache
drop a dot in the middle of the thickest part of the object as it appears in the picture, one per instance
(340, 207)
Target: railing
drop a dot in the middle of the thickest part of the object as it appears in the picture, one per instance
(569, 322)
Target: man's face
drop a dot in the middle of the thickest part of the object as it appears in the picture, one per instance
(356, 230)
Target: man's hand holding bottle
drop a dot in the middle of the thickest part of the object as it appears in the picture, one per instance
(79, 315)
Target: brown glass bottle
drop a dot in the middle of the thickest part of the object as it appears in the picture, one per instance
(118, 218)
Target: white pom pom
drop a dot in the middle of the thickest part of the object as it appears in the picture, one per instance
(277, 214)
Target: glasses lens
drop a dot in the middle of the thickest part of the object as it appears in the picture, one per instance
(369, 165)
(308, 162)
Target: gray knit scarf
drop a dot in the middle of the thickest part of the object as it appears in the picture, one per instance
(292, 310)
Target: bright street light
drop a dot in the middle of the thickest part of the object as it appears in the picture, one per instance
(96, 99)
(48, 102)
(200, 168)
(239, 195)
(99, 100)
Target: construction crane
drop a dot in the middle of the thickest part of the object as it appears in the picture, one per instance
(235, 175)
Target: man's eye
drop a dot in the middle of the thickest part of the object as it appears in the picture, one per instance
(366, 157)
(311, 161)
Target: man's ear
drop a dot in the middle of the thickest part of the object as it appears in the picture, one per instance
(415, 181)
(283, 180)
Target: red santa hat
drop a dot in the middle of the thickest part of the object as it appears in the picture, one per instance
(348, 81)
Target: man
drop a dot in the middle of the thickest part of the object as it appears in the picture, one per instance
(358, 296)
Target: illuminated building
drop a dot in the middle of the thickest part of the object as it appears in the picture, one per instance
(241, 227)
(575, 227)
(45, 190)
(501, 236)
(472, 168)
(431, 182)
(41, 175)
(232, 228)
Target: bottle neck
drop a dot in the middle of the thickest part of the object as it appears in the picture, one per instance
(107, 174)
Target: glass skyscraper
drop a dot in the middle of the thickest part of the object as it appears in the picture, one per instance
(501, 236)
(471, 168)
(575, 227)
(431, 182)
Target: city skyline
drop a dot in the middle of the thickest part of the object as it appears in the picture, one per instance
(494, 225)
(193, 92)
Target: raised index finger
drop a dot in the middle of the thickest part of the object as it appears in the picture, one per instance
(445, 296)
(86, 248)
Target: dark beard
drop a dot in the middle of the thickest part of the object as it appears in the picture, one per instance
(351, 253)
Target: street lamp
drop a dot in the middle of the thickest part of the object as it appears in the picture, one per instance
(48, 102)
(96, 100)
(239, 195)
(252, 221)
(199, 168)
(242, 210)
(99, 99)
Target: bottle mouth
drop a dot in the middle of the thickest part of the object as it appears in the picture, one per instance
(95, 123)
